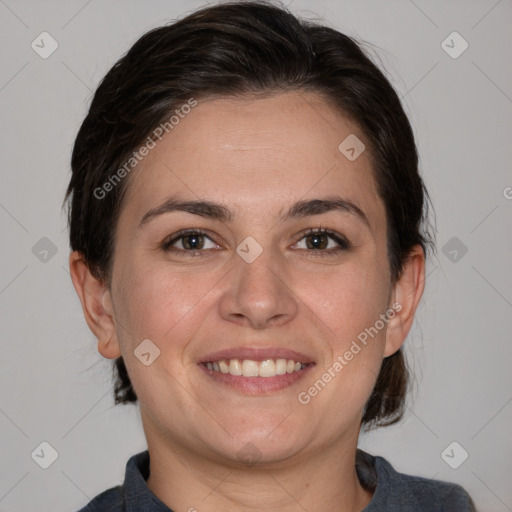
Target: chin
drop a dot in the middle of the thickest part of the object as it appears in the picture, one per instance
(259, 445)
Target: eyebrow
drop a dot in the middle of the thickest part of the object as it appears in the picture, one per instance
(218, 211)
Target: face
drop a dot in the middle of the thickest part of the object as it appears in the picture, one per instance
(259, 285)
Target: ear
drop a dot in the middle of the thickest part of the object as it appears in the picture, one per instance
(406, 296)
(96, 304)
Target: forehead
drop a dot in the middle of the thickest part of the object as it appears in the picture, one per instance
(254, 153)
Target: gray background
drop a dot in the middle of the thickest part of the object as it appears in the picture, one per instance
(54, 385)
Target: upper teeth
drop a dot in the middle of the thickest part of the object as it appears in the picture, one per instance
(250, 368)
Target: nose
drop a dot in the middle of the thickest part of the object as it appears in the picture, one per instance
(257, 294)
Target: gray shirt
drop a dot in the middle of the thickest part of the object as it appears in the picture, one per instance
(392, 491)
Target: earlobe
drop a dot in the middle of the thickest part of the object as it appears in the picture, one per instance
(406, 297)
(109, 348)
(96, 305)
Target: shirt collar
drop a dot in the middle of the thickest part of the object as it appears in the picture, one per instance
(137, 495)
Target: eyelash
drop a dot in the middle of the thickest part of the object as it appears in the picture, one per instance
(341, 240)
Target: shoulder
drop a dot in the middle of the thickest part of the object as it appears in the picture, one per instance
(110, 500)
(400, 492)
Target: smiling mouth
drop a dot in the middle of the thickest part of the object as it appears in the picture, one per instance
(251, 368)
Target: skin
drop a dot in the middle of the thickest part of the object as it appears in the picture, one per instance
(257, 156)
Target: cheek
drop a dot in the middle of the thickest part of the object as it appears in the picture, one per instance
(345, 380)
(349, 304)
(349, 300)
(162, 305)
(158, 300)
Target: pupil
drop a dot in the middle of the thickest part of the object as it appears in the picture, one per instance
(318, 239)
(195, 243)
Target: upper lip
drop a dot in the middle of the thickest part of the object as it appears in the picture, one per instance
(256, 354)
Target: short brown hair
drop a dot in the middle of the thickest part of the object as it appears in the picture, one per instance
(236, 49)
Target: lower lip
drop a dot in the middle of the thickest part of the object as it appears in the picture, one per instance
(257, 385)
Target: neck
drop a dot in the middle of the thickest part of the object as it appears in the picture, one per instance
(186, 481)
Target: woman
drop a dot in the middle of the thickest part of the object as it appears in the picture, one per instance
(248, 232)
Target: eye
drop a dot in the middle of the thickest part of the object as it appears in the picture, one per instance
(195, 242)
(192, 241)
(320, 241)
